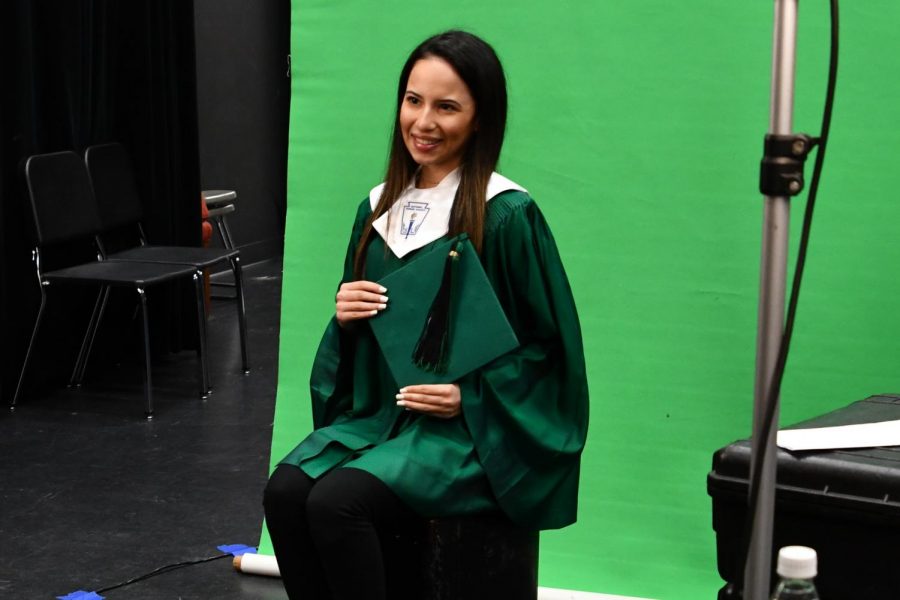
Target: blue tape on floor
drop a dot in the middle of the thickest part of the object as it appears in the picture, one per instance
(81, 595)
(237, 549)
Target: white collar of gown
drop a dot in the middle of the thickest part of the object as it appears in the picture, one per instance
(420, 216)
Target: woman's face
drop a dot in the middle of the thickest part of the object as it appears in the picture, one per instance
(437, 118)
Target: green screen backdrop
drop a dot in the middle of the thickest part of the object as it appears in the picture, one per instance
(637, 126)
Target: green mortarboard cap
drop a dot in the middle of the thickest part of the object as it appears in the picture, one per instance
(455, 292)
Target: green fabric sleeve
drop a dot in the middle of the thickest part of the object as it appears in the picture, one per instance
(528, 410)
(331, 377)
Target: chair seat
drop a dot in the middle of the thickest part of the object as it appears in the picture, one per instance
(175, 255)
(218, 197)
(137, 274)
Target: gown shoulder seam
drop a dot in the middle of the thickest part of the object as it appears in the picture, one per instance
(502, 207)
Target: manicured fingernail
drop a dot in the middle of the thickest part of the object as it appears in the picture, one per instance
(401, 403)
(403, 390)
(400, 397)
(382, 306)
(384, 298)
(373, 313)
(382, 289)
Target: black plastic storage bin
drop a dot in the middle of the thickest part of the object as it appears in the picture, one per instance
(843, 503)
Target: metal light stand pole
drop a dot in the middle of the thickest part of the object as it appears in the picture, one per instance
(773, 276)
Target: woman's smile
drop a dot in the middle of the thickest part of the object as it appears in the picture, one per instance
(425, 144)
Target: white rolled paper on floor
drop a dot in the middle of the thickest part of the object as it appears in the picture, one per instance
(257, 564)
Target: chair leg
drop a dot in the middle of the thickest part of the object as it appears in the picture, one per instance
(205, 387)
(223, 232)
(37, 324)
(148, 381)
(227, 242)
(87, 344)
(228, 233)
(241, 308)
(227, 229)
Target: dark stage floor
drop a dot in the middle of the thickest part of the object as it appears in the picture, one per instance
(92, 494)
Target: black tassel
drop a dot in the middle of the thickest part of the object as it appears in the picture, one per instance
(432, 351)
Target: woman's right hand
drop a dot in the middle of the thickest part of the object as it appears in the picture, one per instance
(359, 300)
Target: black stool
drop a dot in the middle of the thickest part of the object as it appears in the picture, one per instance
(220, 203)
(463, 558)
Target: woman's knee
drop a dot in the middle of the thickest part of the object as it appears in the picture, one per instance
(288, 487)
(327, 502)
(350, 494)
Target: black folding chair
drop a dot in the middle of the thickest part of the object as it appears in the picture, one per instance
(64, 212)
(119, 203)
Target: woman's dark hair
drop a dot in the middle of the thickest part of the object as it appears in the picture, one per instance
(477, 65)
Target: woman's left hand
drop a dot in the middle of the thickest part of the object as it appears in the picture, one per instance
(437, 399)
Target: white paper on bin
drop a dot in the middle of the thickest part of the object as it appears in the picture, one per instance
(866, 435)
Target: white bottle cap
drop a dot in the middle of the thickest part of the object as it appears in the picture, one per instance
(797, 562)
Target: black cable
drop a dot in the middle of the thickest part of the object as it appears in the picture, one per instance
(164, 569)
(784, 346)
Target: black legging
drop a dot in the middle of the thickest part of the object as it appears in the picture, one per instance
(326, 532)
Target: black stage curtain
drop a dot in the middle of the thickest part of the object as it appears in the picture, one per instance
(80, 72)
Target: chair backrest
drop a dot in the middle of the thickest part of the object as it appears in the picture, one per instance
(115, 187)
(62, 201)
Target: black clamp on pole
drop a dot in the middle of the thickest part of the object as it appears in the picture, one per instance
(781, 171)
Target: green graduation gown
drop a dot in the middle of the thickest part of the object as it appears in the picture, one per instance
(517, 444)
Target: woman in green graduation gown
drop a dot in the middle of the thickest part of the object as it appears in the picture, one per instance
(506, 437)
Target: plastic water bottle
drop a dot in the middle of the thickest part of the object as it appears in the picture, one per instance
(797, 565)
